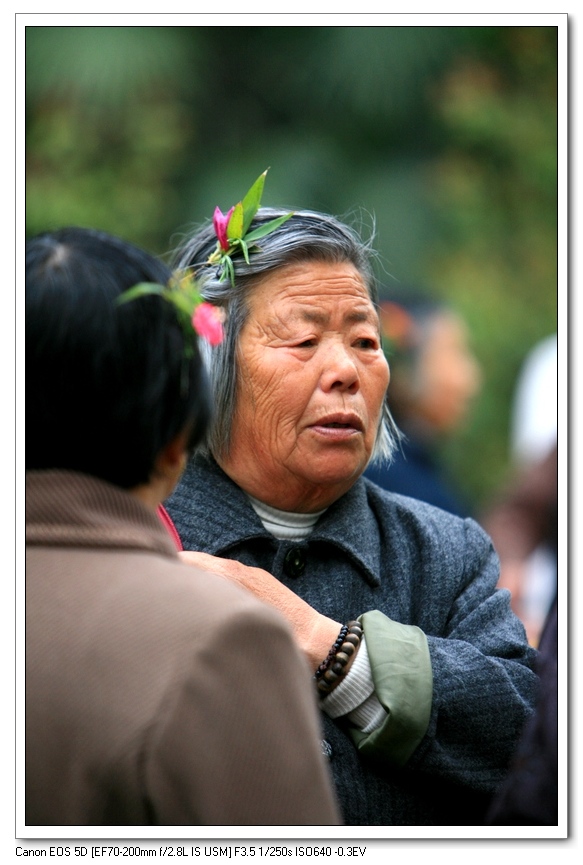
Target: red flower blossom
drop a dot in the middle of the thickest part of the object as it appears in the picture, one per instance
(220, 223)
(207, 322)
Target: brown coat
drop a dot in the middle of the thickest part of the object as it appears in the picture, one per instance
(156, 693)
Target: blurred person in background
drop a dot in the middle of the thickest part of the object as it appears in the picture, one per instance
(522, 520)
(156, 693)
(434, 379)
(522, 517)
(534, 409)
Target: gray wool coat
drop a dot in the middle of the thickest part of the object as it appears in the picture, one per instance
(418, 565)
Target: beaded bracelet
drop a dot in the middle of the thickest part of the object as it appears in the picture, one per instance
(328, 659)
(332, 668)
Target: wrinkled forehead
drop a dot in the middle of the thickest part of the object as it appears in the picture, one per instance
(362, 311)
(311, 288)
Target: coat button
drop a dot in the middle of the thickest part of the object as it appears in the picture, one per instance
(294, 562)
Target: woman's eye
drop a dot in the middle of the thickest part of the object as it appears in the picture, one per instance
(366, 342)
(306, 343)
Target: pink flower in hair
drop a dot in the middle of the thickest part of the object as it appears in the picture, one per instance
(207, 320)
(220, 223)
(233, 231)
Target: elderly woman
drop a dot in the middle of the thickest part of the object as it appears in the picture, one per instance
(425, 696)
(155, 694)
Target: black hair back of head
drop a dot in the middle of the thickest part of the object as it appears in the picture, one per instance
(107, 385)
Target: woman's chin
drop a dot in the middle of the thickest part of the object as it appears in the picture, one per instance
(335, 475)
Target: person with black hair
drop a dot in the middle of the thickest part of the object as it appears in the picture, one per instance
(155, 693)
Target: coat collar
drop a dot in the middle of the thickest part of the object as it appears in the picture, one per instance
(65, 508)
(218, 516)
(350, 524)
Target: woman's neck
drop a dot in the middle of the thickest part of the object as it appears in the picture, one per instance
(285, 525)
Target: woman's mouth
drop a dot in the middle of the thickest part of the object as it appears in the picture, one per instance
(338, 428)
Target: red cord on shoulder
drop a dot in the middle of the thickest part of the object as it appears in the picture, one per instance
(166, 519)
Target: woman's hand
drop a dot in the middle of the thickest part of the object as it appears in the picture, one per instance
(314, 632)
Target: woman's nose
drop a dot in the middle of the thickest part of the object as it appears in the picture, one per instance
(339, 370)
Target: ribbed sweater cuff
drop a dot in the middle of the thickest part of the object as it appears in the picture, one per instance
(355, 695)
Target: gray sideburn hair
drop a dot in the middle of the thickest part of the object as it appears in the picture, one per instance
(306, 236)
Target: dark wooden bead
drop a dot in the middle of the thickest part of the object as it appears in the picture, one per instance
(352, 638)
(342, 658)
(348, 649)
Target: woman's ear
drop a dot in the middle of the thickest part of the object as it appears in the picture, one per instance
(171, 461)
(166, 472)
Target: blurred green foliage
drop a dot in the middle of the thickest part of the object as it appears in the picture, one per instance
(445, 137)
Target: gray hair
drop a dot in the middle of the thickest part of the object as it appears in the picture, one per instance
(306, 236)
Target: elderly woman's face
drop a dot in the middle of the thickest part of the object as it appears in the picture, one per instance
(311, 386)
